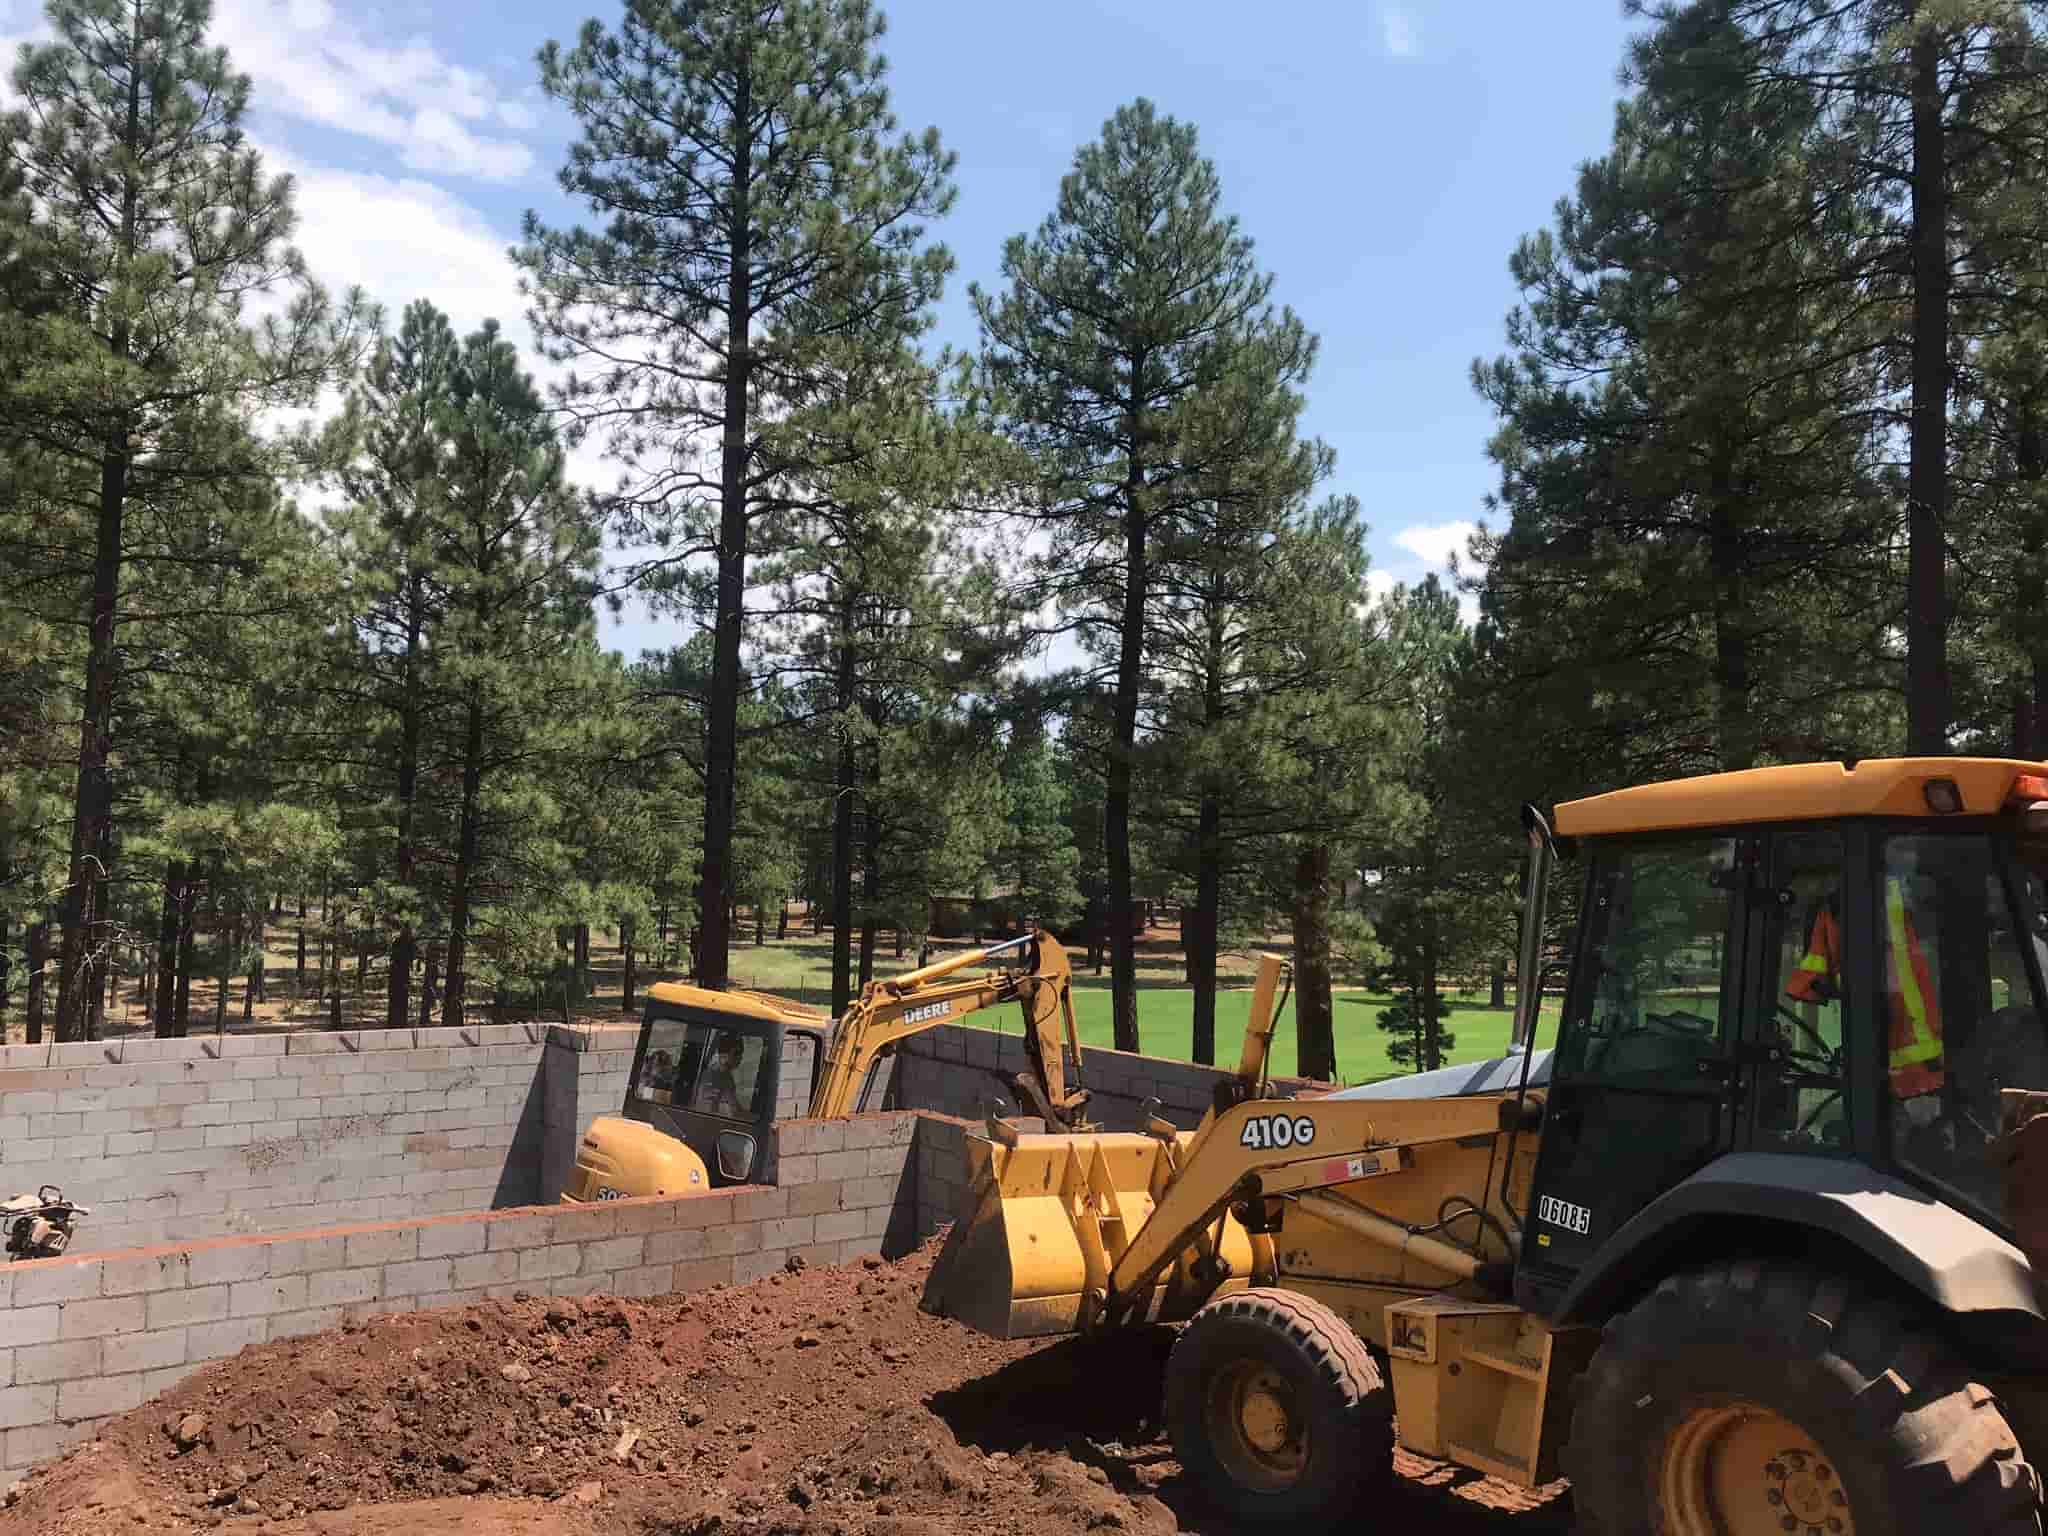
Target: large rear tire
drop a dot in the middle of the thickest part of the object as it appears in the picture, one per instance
(1276, 1410)
(1752, 1399)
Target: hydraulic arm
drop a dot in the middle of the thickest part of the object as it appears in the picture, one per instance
(890, 1010)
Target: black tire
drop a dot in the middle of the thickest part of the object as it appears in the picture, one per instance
(1908, 1443)
(1339, 1419)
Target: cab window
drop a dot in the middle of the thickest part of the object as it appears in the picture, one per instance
(1801, 1103)
(707, 1068)
(1959, 924)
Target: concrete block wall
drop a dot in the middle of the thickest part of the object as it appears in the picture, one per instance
(91, 1335)
(171, 1140)
(957, 1069)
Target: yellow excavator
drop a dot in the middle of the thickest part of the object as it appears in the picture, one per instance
(1756, 1247)
(714, 1070)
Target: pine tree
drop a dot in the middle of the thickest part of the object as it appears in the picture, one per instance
(764, 237)
(154, 215)
(519, 558)
(1134, 299)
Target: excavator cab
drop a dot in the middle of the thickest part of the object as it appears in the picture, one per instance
(712, 1073)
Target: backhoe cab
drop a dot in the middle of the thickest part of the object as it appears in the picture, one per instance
(1751, 1250)
(714, 1070)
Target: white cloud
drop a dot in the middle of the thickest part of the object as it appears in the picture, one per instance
(311, 63)
(1398, 32)
(1380, 583)
(1435, 543)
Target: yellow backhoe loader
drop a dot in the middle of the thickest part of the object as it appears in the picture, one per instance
(1753, 1249)
(714, 1070)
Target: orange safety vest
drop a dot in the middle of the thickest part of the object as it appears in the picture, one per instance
(1916, 1066)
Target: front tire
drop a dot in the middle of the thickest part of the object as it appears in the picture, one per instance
(1752, 1399)
(1276, 1410)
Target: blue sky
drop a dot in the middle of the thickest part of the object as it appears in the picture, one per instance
(1384, 158)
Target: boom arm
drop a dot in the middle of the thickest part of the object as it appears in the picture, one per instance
(901, 1006)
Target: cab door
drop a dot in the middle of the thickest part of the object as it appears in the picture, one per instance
(1646, 1084)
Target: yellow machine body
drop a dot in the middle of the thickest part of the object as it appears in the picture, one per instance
(619, 1159)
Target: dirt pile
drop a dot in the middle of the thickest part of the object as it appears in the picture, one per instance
(817, 1403)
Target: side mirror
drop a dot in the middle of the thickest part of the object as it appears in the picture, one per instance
(2034, 819)
(735, 1154)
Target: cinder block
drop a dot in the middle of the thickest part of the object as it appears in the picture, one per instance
(811, 1199)
(447, 1239)
(701, 1275)
(395, 1245)
(683, 1243)
(261, 1298)
(649, 1280)
(340, 1287)
(613, 1253)
(57, 1362)
(523, 1231)
(305, 1255)
(486, 1269)
(230, 1093)
(293, 1325)
(863, 1193)
(68, 1279)
(96, 1397)
(637, 1217)
(221, 1266)
(418, 1277)
(888, 1162)
(176, 1309)
(216, 1341)
(788, 1231)
(143, 1351)
(586, 1223)
(579, 1285)
(39, 1443)
(21, 1406)
(734, 1239)
(230, 1135)
(93, 1319)
(794, 1171)
(839, 1226)
(761, 1204)
(549, 1263)
(748, 1267)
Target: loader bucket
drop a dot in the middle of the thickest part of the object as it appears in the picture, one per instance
(1043, 1224)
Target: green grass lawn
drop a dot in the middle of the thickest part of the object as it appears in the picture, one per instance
(801, 968)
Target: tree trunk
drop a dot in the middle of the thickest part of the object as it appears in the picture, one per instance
(722, 712)
(760, 924)
(398, 1002)
(254, 985)
(843, 780)
(1737, 730)
(1432, 1023)
(1927, 677)
(1498, 996)
(38, 962)
(188, 952)
(427, 986)
(299, 976)
(227, 953)
(465, 864)
(1314, 1009)
(782, 922)
(626, 954)
(6, 977)
(1201, 926)
(1116, 802)
(583, 960)
(167, 948)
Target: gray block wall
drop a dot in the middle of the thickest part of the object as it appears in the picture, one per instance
(213, 1136)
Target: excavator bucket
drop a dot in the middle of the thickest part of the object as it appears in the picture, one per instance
(1044, 1221)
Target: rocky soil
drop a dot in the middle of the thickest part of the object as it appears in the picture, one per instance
(819, 1403)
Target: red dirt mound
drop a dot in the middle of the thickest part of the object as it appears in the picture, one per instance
(818, 1403)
